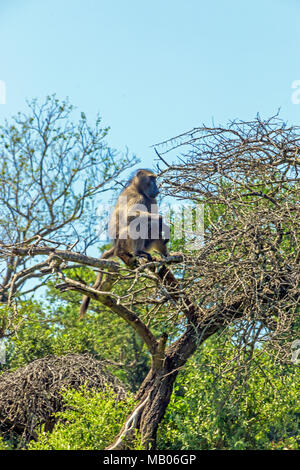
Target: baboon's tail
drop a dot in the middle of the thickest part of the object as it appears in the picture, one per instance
(84, 306)
(86, 300)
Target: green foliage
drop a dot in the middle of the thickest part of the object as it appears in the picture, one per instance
(91, 420)
(54, 328)
(4, 445)
(244, 405)
(226, 397)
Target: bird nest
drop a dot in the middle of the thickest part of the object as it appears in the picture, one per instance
(32, 395)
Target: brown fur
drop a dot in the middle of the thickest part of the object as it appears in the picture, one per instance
(136, 205)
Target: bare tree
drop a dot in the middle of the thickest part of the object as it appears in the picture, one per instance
(51, 173)
(245, 275)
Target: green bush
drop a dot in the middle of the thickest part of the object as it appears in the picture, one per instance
(217, 406)
(91, 420)
(3, 444)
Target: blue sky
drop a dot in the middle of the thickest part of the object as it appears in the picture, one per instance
(153, 69)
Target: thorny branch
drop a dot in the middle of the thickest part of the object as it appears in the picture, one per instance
(244, 278)
(246, 175)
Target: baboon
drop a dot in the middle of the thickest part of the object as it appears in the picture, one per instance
(135, 226)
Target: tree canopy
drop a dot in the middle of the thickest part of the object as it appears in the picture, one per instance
(236, 291)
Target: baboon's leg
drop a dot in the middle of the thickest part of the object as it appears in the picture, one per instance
(139, 249)
(159, 245)
(127, 258)
(144, 254)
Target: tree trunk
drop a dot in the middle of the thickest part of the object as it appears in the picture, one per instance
(155, 392)
(153, 398)
(158, 387)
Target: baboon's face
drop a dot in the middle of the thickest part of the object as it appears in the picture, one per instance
(147, 185)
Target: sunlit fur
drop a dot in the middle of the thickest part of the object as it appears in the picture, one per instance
(136, 204)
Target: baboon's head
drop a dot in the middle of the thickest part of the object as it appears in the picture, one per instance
(145, 182)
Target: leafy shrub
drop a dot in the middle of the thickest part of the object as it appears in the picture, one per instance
(215, 408)
(91, 420)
